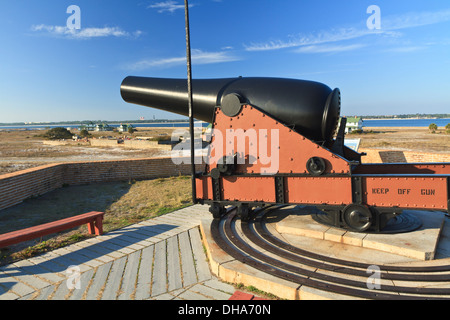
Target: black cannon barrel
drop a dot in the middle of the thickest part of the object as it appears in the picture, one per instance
(311, 108)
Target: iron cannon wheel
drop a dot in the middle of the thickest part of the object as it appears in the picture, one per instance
(357, 217)
(244, 212)
(316, 166)
(217, 210)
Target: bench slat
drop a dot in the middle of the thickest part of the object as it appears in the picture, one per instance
(93, 219)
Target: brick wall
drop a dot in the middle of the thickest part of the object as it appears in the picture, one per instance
(131, 144)
(18, 186)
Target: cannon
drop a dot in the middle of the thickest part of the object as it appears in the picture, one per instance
(310, 107)
(280, 142)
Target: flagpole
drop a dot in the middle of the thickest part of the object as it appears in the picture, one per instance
(190, 99)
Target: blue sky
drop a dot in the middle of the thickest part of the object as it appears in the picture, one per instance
(51, 73)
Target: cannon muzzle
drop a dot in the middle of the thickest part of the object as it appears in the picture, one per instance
(311, 108)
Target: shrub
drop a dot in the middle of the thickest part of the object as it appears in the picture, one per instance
(58, 133)
(85, 134)
(161, 138)
(447, 128)
(433, 127)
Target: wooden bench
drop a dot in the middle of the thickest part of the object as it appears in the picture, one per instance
(93, 219)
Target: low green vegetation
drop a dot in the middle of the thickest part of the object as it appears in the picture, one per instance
(432, 127)
(58, 134)
(85, 134)
(256, 291)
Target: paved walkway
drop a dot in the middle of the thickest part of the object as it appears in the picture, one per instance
(161, 258)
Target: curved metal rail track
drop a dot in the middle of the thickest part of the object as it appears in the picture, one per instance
(317, 271)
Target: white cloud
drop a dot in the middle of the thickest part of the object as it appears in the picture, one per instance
(328, 48)
(197, 57)
(415, 19)
(167, 6)
(389, 25)
(201, 57)
(84, 33)
(313, 39)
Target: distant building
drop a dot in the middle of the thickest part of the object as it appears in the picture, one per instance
(103, 127)
(91, 126)
(125, 127)
(353, 123)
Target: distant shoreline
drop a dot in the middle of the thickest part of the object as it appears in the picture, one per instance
(388, 122)
(402, 118)
(175, 124)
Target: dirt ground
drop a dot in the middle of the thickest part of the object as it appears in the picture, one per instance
(21, 150)
(404, 139)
